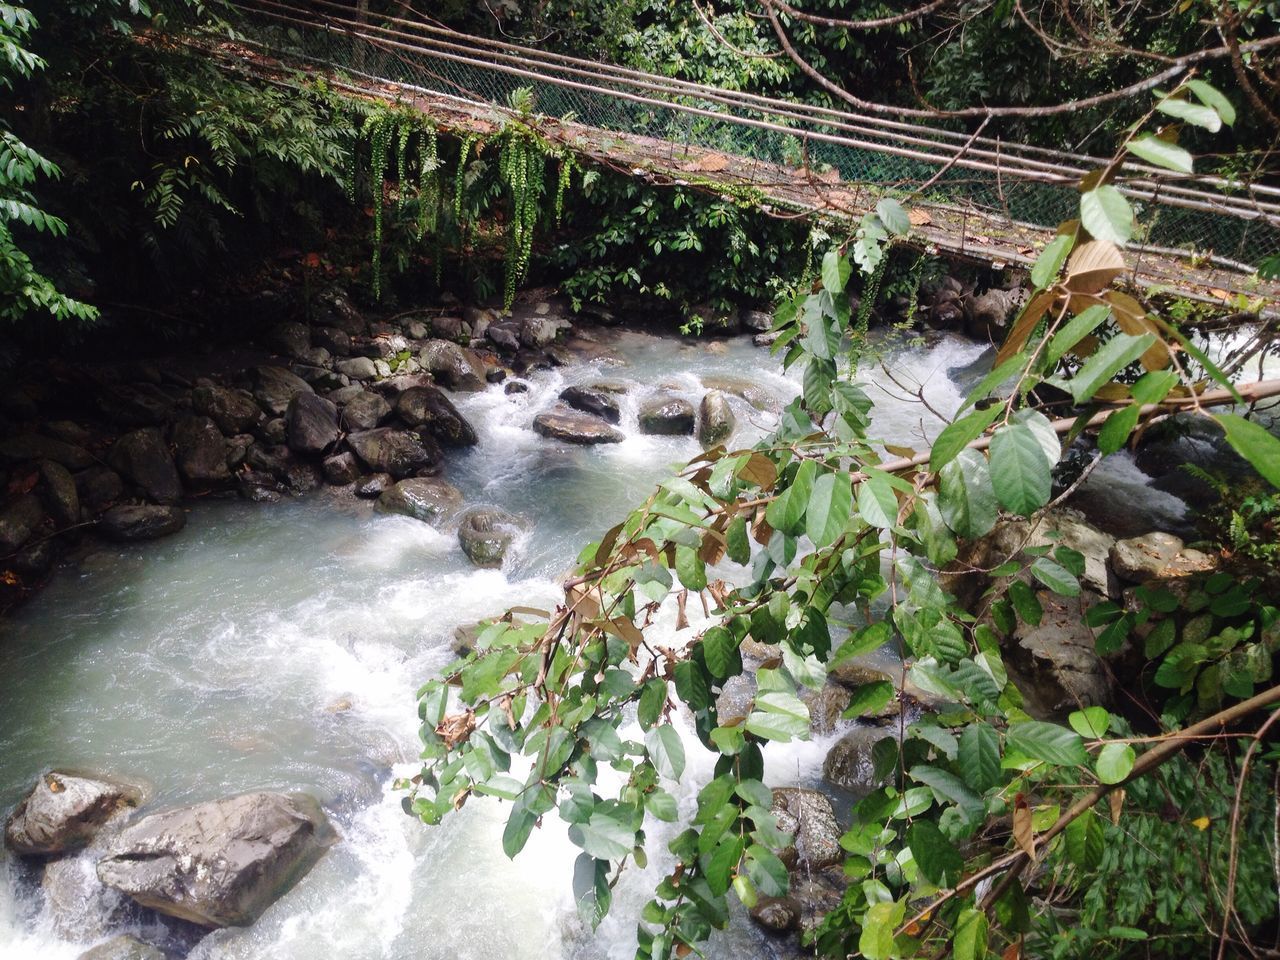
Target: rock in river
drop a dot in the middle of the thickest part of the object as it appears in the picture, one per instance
(202, 452)
(486, 534)
(667, 416)
(596, 402)
(218, 864)
(808, 816)
(428, 407)
(715, 419)
(311, 423)
(64, 811)
(397, 452)
(123, 947)
(132, 522)
(143, 457)
(423, 498)
(575, 427)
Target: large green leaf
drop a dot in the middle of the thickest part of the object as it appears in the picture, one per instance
(966, 497)
(958, 435)
(879, 924)
(1085, 841)
(1115, 432)
(1075, 330)
(1162, 153)
(1253, 443)
(1210, 96)
(1114, 762)
(1051, 259)
(786, 512)
(1047, 741)
(1109, 359)
(1056, 577)
(720, 650)
(603, 836)
(937, 857)
(830, 504)
(970, 941)
(666, 750)
(1106, 214)
(893, 217)
(979, 756)
(835, 271)
(1021, 474)
(877, 503)
(1192, 113)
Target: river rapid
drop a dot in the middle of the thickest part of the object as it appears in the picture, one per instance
(280, 647)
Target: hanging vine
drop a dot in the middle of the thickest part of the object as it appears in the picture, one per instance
(522, 169)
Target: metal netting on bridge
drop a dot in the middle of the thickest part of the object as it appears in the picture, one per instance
(1234, 225)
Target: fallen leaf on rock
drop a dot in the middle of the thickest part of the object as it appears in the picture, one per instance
(919, 218)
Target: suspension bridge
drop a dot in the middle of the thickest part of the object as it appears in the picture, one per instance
(977, 197)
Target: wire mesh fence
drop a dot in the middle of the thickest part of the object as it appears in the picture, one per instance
(1236, 228)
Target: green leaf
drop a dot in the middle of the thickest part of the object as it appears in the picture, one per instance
(1057, 578)
(971, 935)
(1193, 113)
(1162, 153)
(958, 435)
(1210, 96)
(937, 857)
(1253, 443)
(720, 649)
(879, 924)
(666, 750)
(830, 504)
(1091, 722)
(868, 699)
(1048, 742)
(766, 871)
(1106, 214)
(723, 862)
(519, 825)
(1109, 359)
(1085, 841)
(691, 685)
(893, 217)
(1114, 762)
(1025, 603)
(877, 502)
(603, 836)
(966, 497)
(1115, 432)
(1154, 386)
(1051, 259)
(835, 271)
(662, 805)
(737, 545)
(1021, 474)
(691, 569)
(786, 513)
(1075, 330)
(979, 756)
(951, 787)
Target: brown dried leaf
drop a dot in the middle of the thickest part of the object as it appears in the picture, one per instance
(1116, 799)
(1093, 266)
(1023, 833)
(759, 470)
(1131, 317)
(919, 218)
(1025, 323)
(456, 727)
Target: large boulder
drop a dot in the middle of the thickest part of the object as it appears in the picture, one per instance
(573, 427)
(274, 387)
(1144, 558)
(129, 523)
(336, 341)
(1055, 663)
(333, 308)
(291, 339)
(747, 390)
(202, 452)
(397, 452)
(31, 446)
(429, 408)
(143, 457)
(64, 811)
(18, 521)
(234, 411)
(716, 421)
(218, 864)
(357, 368)
(60, 494)
(848, 762)
(365, 411)
(808, 816)
(341, 469)
(599, 403)
(311, 424)
(451, 365)
(99, 486)
(667, 416)
(123, 947)
(423, 498)
(486, 534)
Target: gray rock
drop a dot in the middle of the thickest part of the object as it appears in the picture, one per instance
(68, 431)
(218, 864)
(123, 947)
(778, 914)
(320, 377)
(757, 321)
(988, 314)
(392, 387)
(744, 389)
(129, 523)
(134, 406)
(423, 498)
(344, 395)
(448, 328)
(64, 811)
(1140, 559)
(428, 407)
(1189, 439)
(505, 336)
(99, 486)
(486, 534)
(541, 331)
(303, 478)
(341, 469)
(202, 451)
(274, 387)
(716, 421)
(515, 386)
(667, 416)
(826, 704)
(234, 411)
(397, 452)
(1055, 664)
(365, 411)
(807, 815)
(291, 339)
(595, 402)
(452, 366)
(274, 431)
(736, 698)
(275, 459)
(334, 308)
(357, 368)
(766, 339)
(311, 424)
(336, 341)
(60, 494)
(31, 446)
(143, 458)
(258, 487)
(574, 427)
(848, 762)
(416, 330)
(374, 485)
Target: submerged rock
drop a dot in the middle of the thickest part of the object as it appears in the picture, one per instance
(423, 498)
(716, 421)
(79, 905)
(397, 452)
(667, 416)
(64, 811)
(123, 947)
(218, 864)
(486, 534)
(129, 523)
(573, 427)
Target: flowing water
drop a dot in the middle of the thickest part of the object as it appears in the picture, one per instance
(280, 647)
